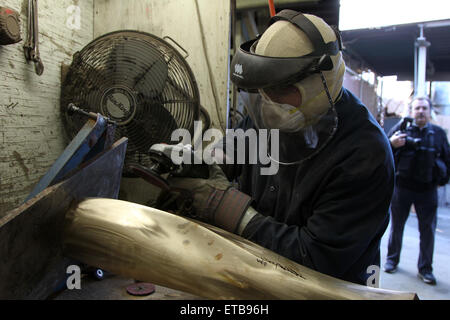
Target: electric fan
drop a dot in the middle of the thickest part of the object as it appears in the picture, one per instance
(139, 81)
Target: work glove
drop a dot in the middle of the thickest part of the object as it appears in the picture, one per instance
(214, 200)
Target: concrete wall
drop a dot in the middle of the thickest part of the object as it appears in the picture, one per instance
(31, 133)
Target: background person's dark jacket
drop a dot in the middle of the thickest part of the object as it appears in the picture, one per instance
(416, 167)
(330, 213)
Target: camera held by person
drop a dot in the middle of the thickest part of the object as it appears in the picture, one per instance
(410, 142)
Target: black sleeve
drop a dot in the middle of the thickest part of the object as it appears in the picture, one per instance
(348, 218)
(445, 152)
(395, 151)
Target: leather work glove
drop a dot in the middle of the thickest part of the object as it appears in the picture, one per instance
(214, 200)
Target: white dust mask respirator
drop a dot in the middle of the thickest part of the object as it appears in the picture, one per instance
(282, 116)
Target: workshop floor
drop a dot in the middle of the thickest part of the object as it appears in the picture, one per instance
(405, 279)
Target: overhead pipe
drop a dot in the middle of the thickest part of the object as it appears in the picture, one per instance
(421, 45)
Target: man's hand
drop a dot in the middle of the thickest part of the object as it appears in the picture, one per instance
(215, 201)
(201, 189)
(398, 139)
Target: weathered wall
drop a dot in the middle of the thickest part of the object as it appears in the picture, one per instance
(31, 133)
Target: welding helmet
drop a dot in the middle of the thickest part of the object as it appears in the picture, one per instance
(297, 50)
(252, 71)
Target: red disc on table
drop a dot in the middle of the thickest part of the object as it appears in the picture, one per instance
(141, 289)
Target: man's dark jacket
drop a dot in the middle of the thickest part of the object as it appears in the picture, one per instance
(330, 212)
(416, 167)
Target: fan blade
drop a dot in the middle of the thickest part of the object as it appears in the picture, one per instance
(154, 124)
(138, 65)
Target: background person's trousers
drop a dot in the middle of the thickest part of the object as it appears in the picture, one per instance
(425, 204)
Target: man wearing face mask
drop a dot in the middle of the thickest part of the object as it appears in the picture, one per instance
(420, 149)
(327, 206)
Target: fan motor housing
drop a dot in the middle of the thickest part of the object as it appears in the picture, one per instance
(119, 104)
(9, 26)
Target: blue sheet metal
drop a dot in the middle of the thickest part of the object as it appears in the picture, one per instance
(92, 139)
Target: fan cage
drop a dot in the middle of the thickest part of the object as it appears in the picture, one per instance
(138, 80)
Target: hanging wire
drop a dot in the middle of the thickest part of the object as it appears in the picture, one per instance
(208, 65)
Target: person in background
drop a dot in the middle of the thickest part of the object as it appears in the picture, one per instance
(422, 156)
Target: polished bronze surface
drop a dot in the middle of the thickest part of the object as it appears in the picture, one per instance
(143, 243)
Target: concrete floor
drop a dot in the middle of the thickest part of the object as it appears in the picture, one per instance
(405, 279)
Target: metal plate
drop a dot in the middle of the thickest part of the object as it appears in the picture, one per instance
(32, 264)
(89, 142)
